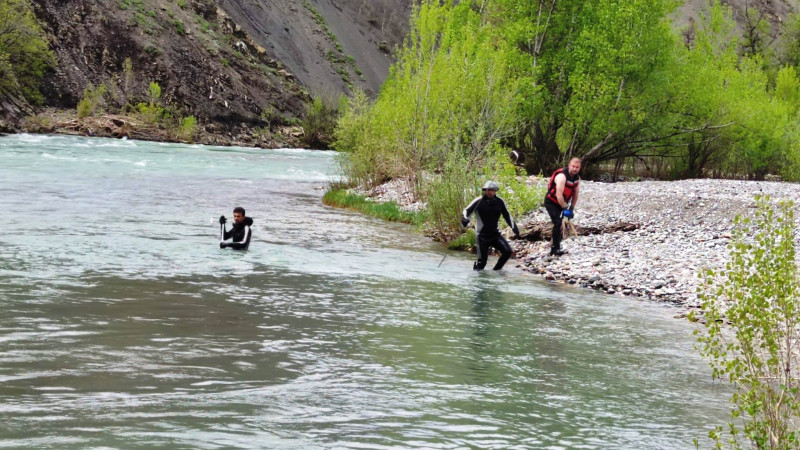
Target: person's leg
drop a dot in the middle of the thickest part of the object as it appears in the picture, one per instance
(554, 211)
(483, 252)
(501, 244)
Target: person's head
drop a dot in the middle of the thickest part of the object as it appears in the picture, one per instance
(574, 166)
(490, 189)
(238, 214)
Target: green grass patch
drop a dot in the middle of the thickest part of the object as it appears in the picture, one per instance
(390, 211)
(464, 242)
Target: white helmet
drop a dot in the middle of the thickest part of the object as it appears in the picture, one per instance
(490, 186)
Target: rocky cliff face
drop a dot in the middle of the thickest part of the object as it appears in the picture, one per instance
(229, 61)
(224, 61)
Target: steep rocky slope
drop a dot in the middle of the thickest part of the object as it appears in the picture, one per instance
(229, 61)
(304, 35)
(224, 61)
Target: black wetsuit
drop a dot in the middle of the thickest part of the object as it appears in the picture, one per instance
(488, 211)
(240, 235)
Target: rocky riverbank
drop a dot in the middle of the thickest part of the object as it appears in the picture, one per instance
(643, 239)
(57, 121)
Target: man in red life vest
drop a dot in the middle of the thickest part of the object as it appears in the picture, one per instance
(561, 198)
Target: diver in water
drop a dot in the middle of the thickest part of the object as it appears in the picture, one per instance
(240, 233)
(488, 208)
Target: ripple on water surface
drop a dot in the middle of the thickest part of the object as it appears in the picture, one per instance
(124, 325)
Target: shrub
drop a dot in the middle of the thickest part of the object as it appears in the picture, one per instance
(187, 128)
(128, 79)
(153, 92)
(464, 242)
(319, 123)
(520, 197)
(153, 112)
(24, 52)
(758, 294)
(37, 124)
(93, 99)
(446, 195)
(450, 91)
(152, 50)
(179, 27)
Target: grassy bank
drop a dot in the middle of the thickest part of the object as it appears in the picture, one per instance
(339, 198)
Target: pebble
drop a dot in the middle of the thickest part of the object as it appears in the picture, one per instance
(676, 238)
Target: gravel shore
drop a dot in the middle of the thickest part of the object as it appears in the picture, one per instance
(681, 228)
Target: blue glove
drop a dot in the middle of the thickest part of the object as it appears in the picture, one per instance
(568, 214)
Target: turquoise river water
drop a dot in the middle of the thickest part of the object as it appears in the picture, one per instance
(123, 325)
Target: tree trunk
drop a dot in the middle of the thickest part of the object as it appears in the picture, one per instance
(544, 155)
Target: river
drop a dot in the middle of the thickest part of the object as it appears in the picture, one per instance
(124, 325)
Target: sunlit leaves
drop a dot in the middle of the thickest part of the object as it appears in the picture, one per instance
(24, 54)
(758, 296)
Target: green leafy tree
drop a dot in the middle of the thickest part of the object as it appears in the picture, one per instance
(24, 53)
(726, 114)
(319, 122)
(751, 335)
(788, 51)
(93, 100)
(449, 91)
(592, 72)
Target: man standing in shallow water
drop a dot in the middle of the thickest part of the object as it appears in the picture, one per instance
(488, 208)
(240, 232)
(561, 198)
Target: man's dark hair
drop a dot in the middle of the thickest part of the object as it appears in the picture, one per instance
(238, 209)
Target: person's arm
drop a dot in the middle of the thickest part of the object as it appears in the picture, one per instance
(244, 243)
(507, 217)
(561, 181)
(469, 210)
(226, 234)
(222, 232)
(575, 197)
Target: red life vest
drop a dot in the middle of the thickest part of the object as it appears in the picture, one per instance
(569, 187)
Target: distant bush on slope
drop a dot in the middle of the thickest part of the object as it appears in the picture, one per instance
(24, 53)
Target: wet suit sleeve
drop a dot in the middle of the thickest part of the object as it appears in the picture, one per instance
(226, 234)
(244, 243)
(507, 215)
(471, 208)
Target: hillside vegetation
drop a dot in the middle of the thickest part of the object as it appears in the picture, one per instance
(615, 82)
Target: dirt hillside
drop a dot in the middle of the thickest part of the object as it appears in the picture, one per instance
(224, 61)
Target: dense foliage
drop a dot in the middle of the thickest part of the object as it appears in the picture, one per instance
(612, 81)
(758, 295)
(24, 53)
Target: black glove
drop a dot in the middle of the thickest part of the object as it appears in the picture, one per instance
(515, 230)
(223, 244)
(222, 220)
(464, 222)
